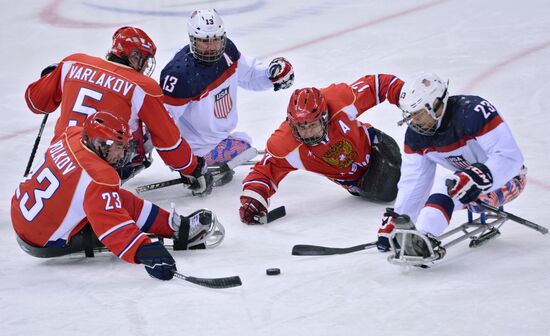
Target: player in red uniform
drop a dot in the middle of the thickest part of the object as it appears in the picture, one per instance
(322, 135)
(75, 184)
(84, 84)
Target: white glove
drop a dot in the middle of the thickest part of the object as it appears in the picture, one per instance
(281, 73)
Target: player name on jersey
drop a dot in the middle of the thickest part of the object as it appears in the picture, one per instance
(114, 83)
(60, 157)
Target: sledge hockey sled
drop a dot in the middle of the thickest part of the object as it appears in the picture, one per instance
(85, 241)
(479, 231)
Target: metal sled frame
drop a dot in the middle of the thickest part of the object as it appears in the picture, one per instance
(474, 228)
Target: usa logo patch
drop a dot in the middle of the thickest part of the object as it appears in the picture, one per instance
(222, 104)
(458, 162)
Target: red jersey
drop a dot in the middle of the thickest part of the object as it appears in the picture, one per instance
(69, 187)
(344, 157)
(83, 84)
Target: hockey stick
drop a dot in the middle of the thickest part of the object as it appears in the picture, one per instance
(36, 142)
(228, 282)
(215, 170)
(316, 250)
(271, 215)
(513, 217)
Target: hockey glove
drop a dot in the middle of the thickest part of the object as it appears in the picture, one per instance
(281, 73)
(251, 210)
(466, 185)
(200, 182)
(384, 232)
(157, 260)
(48, 69)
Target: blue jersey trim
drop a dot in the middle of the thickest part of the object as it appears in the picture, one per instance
(193, 77)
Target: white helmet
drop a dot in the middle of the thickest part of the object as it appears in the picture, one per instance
(206, 27)
(426, 91)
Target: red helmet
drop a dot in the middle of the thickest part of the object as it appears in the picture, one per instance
(102, 130)
(136, 46)
(306, 106)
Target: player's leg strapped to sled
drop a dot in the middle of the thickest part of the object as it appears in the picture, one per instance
(412, 246)
(379, 183)
(415, 248)
(218, 172)
(199, 230)
(228, 154)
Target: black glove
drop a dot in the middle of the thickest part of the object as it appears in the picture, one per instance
(48, 69)
(201, 181)
(466, 185)
(157, 260)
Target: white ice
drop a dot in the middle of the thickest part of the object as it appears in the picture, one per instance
(499, 50)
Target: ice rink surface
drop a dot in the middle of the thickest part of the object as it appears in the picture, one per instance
(499, 50)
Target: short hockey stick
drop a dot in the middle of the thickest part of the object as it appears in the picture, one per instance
(271, 215)
(228, 282)
(513, 217)
(158, 185)
(36, 142)
(215, 170)
(316, 250)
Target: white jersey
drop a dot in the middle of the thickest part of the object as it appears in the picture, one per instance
(472, 131)
(202, 98)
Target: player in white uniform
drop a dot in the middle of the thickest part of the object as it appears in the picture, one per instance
(200, 87)
(464, 134)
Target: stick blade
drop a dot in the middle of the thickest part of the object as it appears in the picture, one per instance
(315, 250)
(310, 250)
(227, 282)
(276, 214)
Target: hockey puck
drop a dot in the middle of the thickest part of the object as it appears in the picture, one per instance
(273, 271)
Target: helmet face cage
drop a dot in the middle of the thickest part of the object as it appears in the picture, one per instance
(104, 132)
(408, 117)
(425, 94)
(142, 63)
(103, 149)
(310, 141)
(134, 45)
(206, 35)
(307, 106)
(208, 50)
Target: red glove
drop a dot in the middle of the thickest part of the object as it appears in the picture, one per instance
(251, 210)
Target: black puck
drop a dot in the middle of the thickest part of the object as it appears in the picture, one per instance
(273, 271)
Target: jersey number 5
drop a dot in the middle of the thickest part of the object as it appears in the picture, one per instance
(79, 106)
